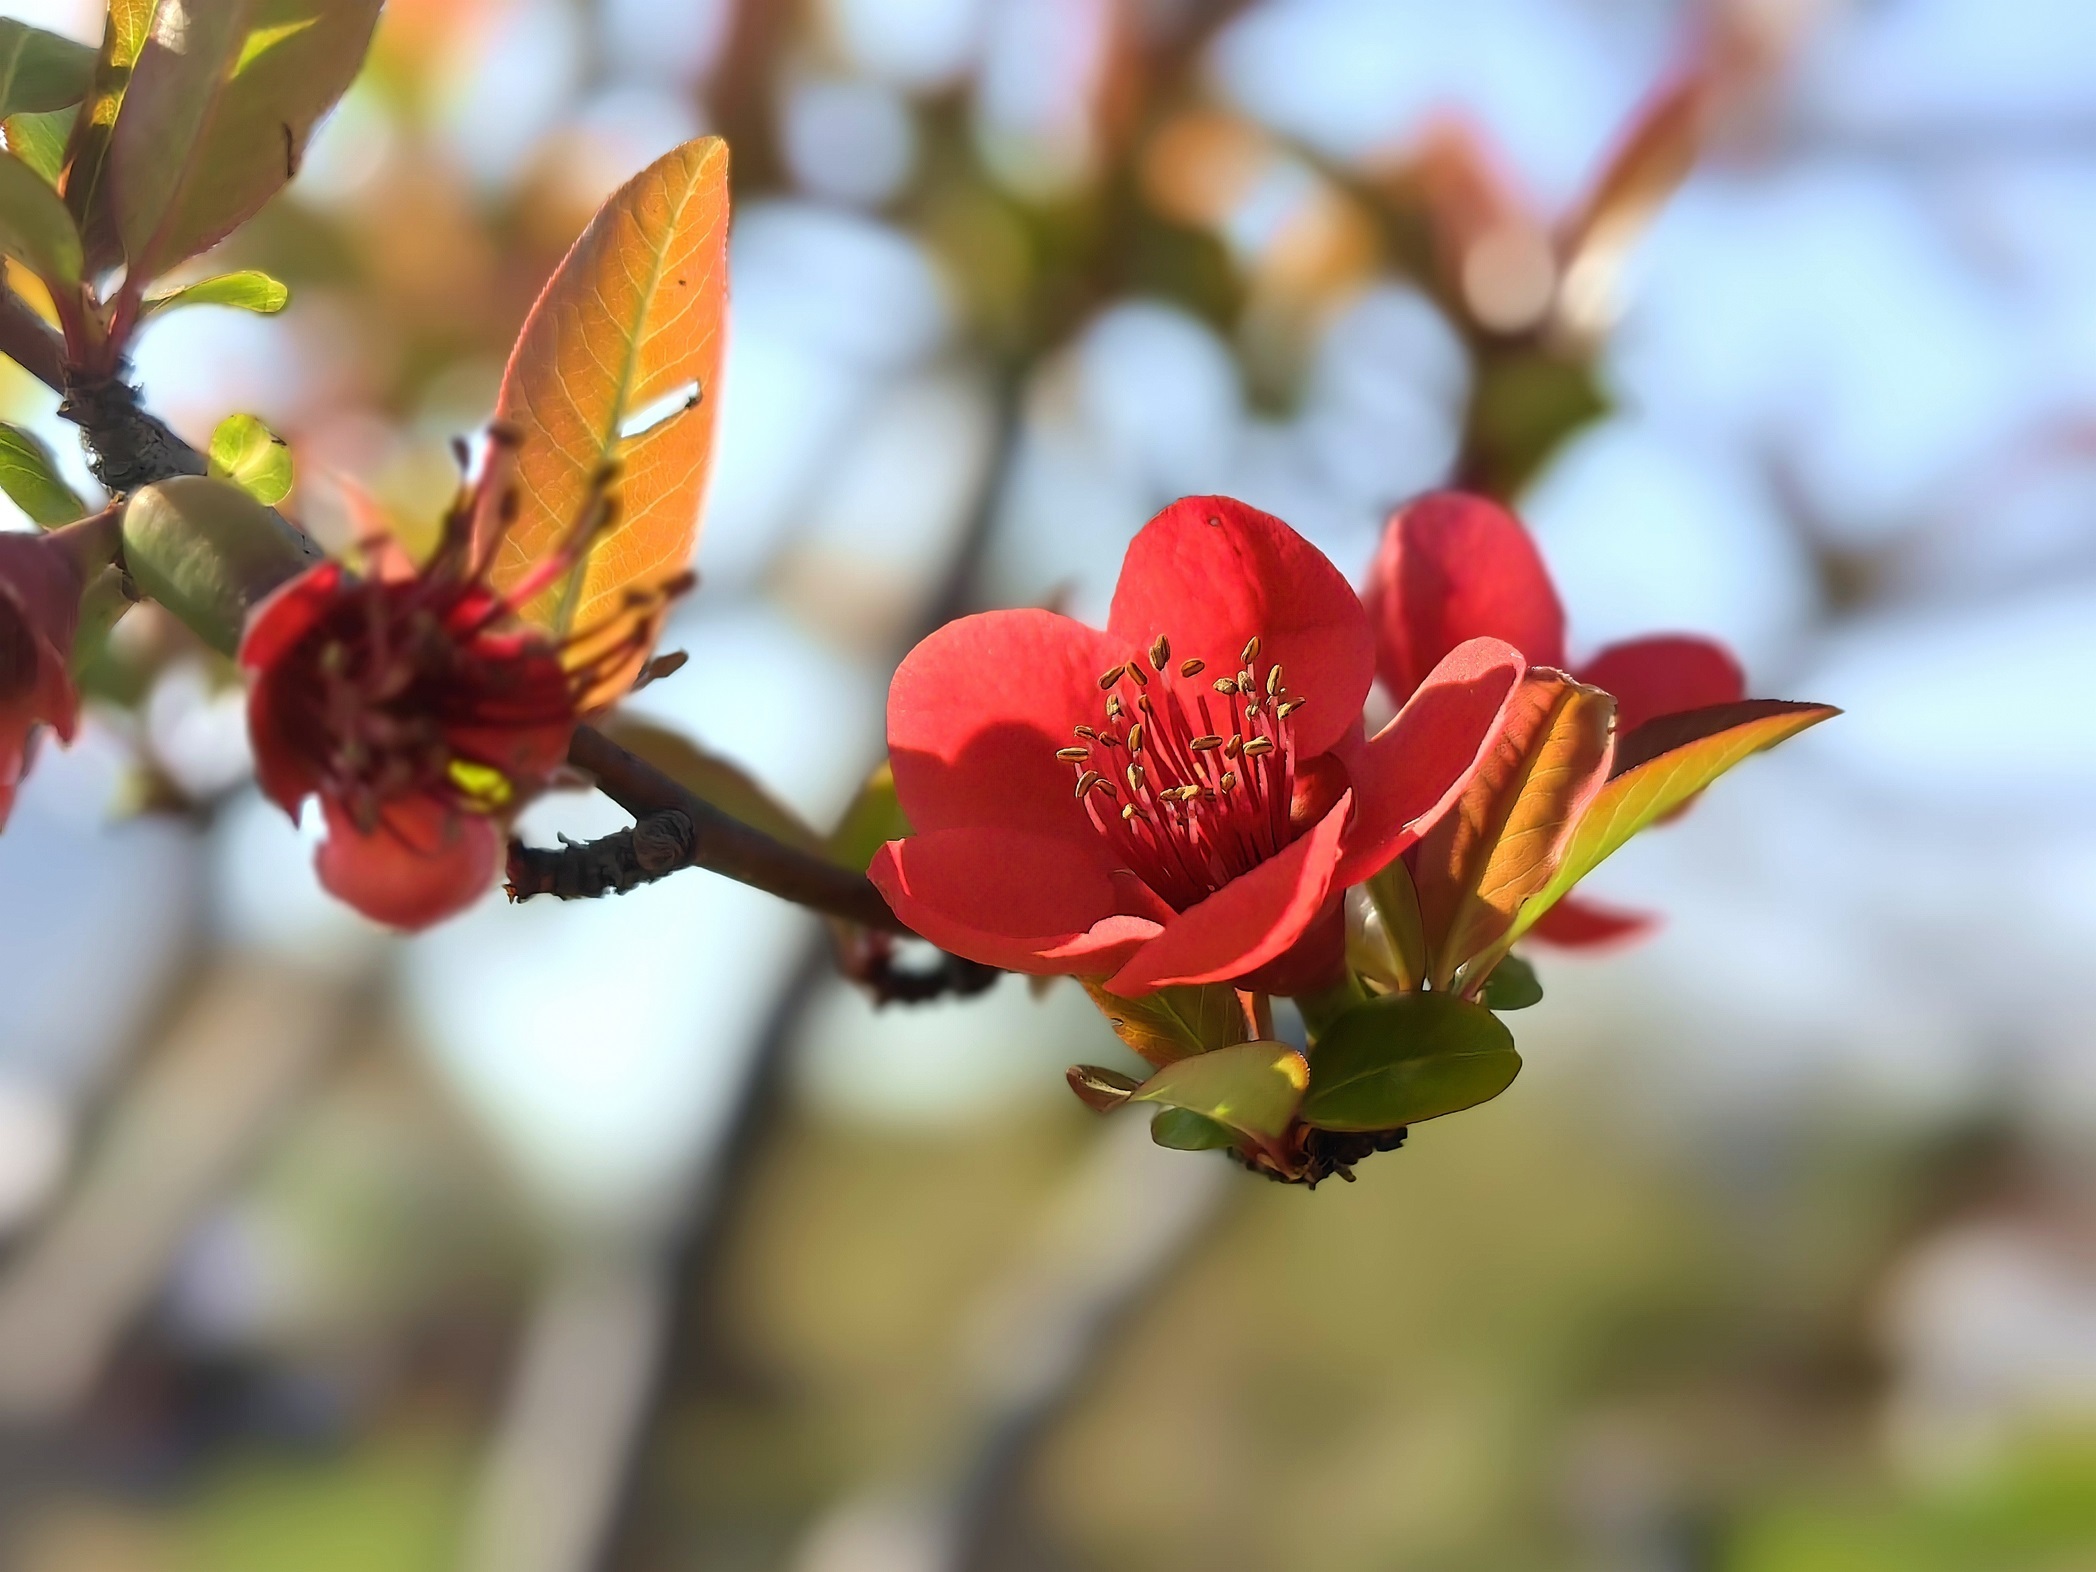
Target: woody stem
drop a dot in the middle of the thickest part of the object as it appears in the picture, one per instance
(725, 844)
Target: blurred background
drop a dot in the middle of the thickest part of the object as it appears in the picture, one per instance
(625, 1235)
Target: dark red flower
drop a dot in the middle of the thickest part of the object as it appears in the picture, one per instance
(419, 708)
(1181, 797)
(42, 577)
(1453, 566)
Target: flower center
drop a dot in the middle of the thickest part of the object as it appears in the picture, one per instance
(1191, 776)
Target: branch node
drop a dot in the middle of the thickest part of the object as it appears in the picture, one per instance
(655, 845)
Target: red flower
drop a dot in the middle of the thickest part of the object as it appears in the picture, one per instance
(41, 580)
(420, 710)
(1181, 797)
(1454, 567)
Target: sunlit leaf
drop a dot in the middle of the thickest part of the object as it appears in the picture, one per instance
(1402, 961)
(1173, 1022)
(35, 228)
(208, 551)
(1407, 1057)
(1253, 1087)
(40, 71)
(1100, 1088)
(252, 457)
(1505, 837)
(1659, 766)
(40, 140)
(247, 290)
(215, 117)
(87, 152)
(618, 363)
(1183, 1130)
(874, 818)
(29, 475)
(1513, 985)
(722, 782)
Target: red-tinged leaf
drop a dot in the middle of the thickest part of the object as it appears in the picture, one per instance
(1173, 1023)
(619, 363)
(215, 117)
(1504, 839)
(1100, 1089)
(1253, 1088)
(87, 149)
(1661, 764)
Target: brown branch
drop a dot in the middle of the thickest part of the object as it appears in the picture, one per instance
(725, 844)
(29, 344)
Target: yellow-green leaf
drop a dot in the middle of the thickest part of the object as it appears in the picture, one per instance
(617, 364)
(1253, 1088)
(1503, 840)
(252, 457)
(1660, 766)
(722, 782)
(40, 71)
(40, 140)
(1183, 1130)
(874, 818)
(216, 115)
(248, 290)
(29, 475)
(35, 228)
(1173, 1023)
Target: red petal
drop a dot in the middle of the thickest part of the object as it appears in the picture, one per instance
(1454, 567)
(1249, 921)
(1209, 573)
(1028, 903)
(1664, 675)
(1414, 769)
(976, 712)
(282, 770)
(423, 863)
(1576, 923)
(287, 614)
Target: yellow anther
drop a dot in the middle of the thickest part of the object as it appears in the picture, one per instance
(1135, 738)
(1273, 682)
(1160, 654)
(1088, 733)
(1226, 684)
(1251, 650)
(1229, 780)
(1203, 744)
(1135, 777)
(1192, 668)
(1108, 678)
(1113, 707)
(1141, 677)
(1073, 755)
(1232, 747)
(1258, 747)
(1087, 781)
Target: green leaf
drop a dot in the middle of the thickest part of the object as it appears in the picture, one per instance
(216, 115)
(722, 782)
(873, 819)
(1407, 1057)
(1396, 902)
(1658, 767)
(1173, 1022)
(40, 140)
(1099, 1088)
(35, 228)
(1513, 985)
(208, 552)
(1183, 1130)
(252, 457)
(1252, 1087)
(40, 71)
(29, 476)
(248, 290)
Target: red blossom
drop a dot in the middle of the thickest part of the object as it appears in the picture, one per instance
(1453, 566)
(1181, 797)
(41, 580)
(419, 708)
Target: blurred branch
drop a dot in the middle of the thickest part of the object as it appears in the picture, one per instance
(29, 344)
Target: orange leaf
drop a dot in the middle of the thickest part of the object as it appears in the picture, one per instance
(1659, 766)
(619, 363)
(1504, 839)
